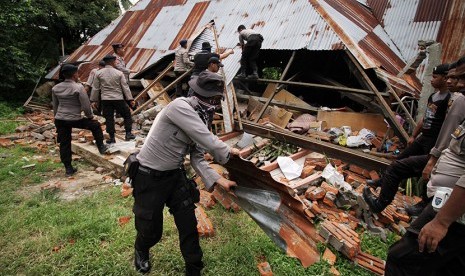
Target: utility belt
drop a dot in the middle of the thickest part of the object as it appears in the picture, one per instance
(440, 198)
(156, 173)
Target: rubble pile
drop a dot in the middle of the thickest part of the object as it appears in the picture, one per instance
(330, 192)
(40, 127)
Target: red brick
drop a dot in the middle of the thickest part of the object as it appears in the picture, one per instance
(329, 188)
(207, 200)
(329, 256)
(315, 193)
(225, 199)
(307, 171)
(264, 269)
(204, 224)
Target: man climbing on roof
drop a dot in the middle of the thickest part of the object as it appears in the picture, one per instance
(250, 51)
(182, 65)
(201, 58)
(120, 64)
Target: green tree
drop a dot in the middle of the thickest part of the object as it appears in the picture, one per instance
(31, 35)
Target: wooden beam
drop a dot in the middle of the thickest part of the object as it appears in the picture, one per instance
(281, 104)
(277, 88)
(171, 85)
(352, 156)
(315, 85)
(386, 109)
(407, 113)
(157, 79)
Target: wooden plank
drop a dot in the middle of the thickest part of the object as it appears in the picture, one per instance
(164, 99)
(90, 152)
(356, 121)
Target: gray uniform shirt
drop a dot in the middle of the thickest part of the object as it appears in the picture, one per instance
(244, 35)
(121, 65)
(177, 131)
(451, 164)
(454, 116)
(182, 63)
(111, 84)
(69, 99)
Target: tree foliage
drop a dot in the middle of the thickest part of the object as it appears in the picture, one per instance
(32, 30)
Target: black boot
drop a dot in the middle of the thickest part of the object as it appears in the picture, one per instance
(70, 170)
(129, 136)
(111, 140)
(142, 261)
(416, 209)
(243, 73)
(102, 148)
(194, 269)
(376, 204)
(374, 183)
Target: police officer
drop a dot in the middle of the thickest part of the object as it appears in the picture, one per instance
(250, 51)
(69, 99)
(181, 128)
(182, 64)
(201, 58)
(111, 87)
(435, 242)
(120, 64)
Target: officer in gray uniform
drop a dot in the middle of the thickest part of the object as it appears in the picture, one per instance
(111, 87)
(120, 64)
(435, 243)
(181, 128)
(69, 99)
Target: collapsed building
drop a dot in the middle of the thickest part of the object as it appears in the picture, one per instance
(364, 61)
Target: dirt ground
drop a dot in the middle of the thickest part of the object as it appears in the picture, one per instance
(86, 181)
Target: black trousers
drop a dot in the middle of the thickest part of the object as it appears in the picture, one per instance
(179, 91)
(250, 53)
(421, 146)
(64, 129)
(108, 111)
(449, 258)
(151, 193)
(399, 170)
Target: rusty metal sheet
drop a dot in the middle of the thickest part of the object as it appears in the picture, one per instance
(281, 215)
(191, 23)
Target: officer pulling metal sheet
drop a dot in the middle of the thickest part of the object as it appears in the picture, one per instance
(181, 128)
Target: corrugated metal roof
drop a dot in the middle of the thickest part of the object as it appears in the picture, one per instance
(159, 25)
(385, 36)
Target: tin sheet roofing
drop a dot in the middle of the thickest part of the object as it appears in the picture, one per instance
(380, 34)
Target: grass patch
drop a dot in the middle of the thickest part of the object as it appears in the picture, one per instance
(8, 112)
(41, 234)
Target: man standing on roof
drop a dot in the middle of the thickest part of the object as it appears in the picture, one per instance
(250, 51)
(182, 64)
(119, 49)
(69, 99)
(111, 86)
(202, 57)
(181, 128)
